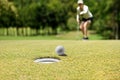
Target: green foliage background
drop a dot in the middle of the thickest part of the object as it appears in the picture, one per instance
(48, 17)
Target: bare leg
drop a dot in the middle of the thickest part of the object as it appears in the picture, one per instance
(85, 25)
(82, 27)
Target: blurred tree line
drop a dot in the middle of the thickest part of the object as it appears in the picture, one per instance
(48, 17)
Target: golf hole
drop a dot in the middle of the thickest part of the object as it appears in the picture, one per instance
(46, 60)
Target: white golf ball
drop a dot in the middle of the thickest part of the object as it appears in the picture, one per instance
(59, 50)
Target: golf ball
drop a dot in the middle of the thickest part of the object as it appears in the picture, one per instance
(59, 50)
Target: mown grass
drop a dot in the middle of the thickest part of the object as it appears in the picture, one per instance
(72, 35)
(86, 60)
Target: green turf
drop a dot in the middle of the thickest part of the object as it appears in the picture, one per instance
(86, 60)
(72, 35)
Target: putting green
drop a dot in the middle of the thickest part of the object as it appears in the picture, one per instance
(85, 60)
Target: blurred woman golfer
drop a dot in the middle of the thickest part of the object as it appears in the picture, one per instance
(84, 18)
